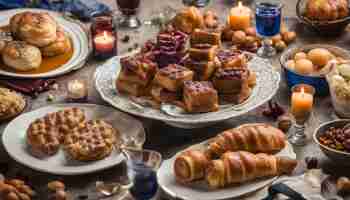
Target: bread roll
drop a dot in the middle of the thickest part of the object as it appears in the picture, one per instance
(38, 29)
(58, 47)
(21, 56)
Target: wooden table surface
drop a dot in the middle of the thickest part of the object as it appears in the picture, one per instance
(161, 137)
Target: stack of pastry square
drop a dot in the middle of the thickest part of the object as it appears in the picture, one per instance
(169, 82)
(136, 75)
(202, 54)
(233, 80)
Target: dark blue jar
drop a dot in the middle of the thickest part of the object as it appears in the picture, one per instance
(268, 18)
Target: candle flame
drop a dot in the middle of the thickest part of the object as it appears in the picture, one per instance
(240, 4)
(105, 34)
(302, 90)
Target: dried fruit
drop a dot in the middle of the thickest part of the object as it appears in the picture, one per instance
(274, 110)
(311, 162)
(56, 185)
(284, 123)
(125, 39)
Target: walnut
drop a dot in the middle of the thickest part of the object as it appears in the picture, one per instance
(56, 185)
(289, 37)
(211, 19)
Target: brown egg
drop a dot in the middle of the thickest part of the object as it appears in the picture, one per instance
(304, 66)
(239, 37)
(300, 55)
(290, 64)
(319, 56)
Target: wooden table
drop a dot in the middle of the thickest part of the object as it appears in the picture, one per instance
(161, 137)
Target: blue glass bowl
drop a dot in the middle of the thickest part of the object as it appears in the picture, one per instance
(318, 82)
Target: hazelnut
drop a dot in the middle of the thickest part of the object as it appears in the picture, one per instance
(227, 33)
(250, 40)
(23, 196)
(239, 37)
(26, 189)
(60, 195)
(343, 184)
(283, 29)
(250, 31)
(284, 123)
(11, 196)
(276, 38)
(289, 37)
(56, 185)
(15, 182)
(280, 46)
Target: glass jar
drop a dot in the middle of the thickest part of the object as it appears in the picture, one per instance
(104, 36)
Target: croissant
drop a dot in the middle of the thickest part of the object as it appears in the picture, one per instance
(254, 138)
(190, 166)
(242, 166)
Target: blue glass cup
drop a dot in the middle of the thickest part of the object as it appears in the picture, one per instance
(268, 23)
(142, 166)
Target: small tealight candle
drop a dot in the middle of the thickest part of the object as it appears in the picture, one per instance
(104, 42)
(302, 102)
(77, 90)
(239, 17)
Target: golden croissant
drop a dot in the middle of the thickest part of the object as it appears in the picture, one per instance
(242, 166)
(190, 165)
(254, 138)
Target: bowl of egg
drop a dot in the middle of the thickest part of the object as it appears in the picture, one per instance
(310, 64)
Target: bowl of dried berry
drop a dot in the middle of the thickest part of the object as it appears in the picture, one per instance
(333, 138)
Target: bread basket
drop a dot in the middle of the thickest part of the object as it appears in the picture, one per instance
(332, 27)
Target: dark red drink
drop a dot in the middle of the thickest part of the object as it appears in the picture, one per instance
(128, 7)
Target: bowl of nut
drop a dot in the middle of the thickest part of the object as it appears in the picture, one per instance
(333, 138)
(309, 64)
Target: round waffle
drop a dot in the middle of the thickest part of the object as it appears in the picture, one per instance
(92, 140)
(68, 119)
(11, 103)
(43, 137)
(45, 134)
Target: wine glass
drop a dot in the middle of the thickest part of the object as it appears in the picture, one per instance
(197, 3)
(268, 23)
(142, 166)
(129, 10)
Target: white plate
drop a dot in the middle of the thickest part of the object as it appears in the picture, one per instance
(14, 140)
(199, 190)
(78, 36)
(267, 85)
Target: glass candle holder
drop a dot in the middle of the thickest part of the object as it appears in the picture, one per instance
(77, 90)
(142, 166)
(268, 23)
(129, 10)
(197, 3)
(104, 37)
(302, 103)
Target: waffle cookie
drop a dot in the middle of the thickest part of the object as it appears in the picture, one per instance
(43, 137)
(92, 140)
(45, 134)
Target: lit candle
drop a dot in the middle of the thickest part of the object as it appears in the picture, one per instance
(104, 42)
(77, 90)
(302, 103)
(239, 17)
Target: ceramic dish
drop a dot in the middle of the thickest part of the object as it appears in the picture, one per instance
(78, 38)
(318, 82)
(267, 85)
(14, 140)
(340, 157)
(167, 182)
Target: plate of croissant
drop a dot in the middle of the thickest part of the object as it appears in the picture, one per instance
(236, 162)
(36, 43)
